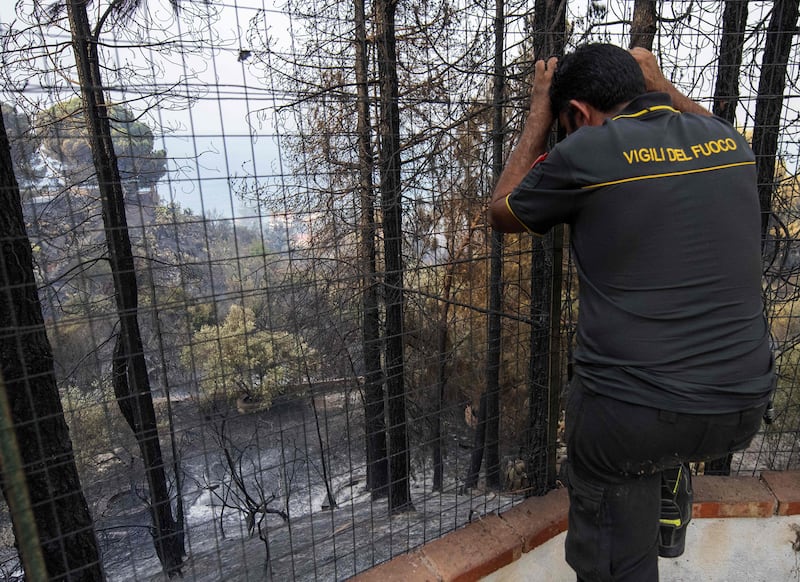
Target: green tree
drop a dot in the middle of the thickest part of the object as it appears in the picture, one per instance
(65, 137)
(237, 360)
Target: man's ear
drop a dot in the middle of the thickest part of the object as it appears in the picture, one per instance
(581, 113)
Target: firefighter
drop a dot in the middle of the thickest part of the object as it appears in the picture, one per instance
(673, 361)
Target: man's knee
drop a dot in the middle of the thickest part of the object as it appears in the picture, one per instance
(613, 528)
(587, 546)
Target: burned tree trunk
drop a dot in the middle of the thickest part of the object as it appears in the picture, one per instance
(544, 372)
(487, 436)
(442, 341)
(643, 24)
(391, 206)
(726, 98)
(492, 404)
(726, 89)
(771, 86)
(374, 412)
(60, 512)
(130, 377)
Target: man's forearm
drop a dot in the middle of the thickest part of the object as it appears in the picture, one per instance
(532, 144)
(655, 80)
(683, 103)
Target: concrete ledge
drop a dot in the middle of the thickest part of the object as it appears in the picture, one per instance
(411, 567)
(494, 541)
(785, 485)
(539, 519)
(474, 551)
(716, 496)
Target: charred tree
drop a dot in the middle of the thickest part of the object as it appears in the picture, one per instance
(374, 412)
(544, 372)
(494, 331)
(487, 436)
(769, 102)
(643, 24)
(442, 341)
(61, 515)
(130, 376)
(726, 89)
(392, 206)
(476, 458)
(726, 98)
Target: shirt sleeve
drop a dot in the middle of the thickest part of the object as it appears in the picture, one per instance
(548, 195)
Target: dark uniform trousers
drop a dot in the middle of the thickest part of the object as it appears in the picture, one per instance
(616, 454)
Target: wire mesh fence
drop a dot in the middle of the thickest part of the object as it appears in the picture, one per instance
(253, 322)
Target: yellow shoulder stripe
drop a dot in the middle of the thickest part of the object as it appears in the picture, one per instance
(648, 110)
(517, 217)
(667, 175)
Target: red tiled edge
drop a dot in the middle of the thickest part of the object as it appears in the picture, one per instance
(481, 547)
(492, 542)
(785, 485)
(538, 519)
(474, 551)
(411, 567)
(718, 496)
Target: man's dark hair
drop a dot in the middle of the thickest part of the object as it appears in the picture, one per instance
(603, 75)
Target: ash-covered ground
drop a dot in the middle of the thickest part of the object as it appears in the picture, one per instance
(278, 458)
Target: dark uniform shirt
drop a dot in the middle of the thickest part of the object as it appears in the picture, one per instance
(665, 226)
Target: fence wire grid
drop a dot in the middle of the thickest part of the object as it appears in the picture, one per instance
(253, 323)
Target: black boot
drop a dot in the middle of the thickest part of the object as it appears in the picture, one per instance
(676, 511)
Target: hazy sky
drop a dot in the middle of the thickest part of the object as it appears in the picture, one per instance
(229, 123)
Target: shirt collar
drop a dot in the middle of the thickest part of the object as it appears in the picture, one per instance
(646, 103)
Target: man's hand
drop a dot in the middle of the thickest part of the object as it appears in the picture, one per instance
(655, 80)
(532, 143)
(540, 89)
